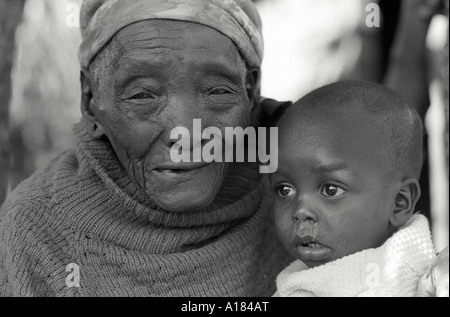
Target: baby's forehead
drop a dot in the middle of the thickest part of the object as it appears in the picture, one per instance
(342, 116)
(340, 132)
(364, 119)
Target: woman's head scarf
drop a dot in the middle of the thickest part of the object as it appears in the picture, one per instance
(236, 19)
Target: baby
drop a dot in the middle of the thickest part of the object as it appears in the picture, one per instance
(350, 156)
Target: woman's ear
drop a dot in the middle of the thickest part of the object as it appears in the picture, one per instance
(88, 107)
(265, 111)
(405, 202)
(253, 85)
(253, 89)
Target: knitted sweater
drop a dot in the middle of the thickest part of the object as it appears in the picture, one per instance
(84, 211)
(392, 270)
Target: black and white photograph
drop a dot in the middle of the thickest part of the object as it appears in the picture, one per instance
(227, 153)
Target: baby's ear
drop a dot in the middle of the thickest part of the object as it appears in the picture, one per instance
(405, 202)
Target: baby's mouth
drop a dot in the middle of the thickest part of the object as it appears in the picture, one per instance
(307, 242)
(311, 251)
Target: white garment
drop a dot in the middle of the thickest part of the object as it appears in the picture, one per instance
(392, 270)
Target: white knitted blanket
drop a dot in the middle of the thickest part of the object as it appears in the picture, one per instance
(392, 270)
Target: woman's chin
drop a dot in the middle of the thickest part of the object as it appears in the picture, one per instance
(185, 202)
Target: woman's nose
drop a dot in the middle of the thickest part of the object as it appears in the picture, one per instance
(181, 116)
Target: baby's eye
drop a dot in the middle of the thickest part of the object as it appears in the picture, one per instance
(285, 191)
(332, 191)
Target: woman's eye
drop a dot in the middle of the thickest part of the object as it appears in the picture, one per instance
(285, 191)
(332, 191)
(141, 95)
(219, 91)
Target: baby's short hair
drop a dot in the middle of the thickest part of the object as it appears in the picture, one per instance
(393, 114)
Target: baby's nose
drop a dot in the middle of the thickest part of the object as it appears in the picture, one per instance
(304, 213)
(307, 231)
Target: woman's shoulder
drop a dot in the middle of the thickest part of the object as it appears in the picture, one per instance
(31, 197)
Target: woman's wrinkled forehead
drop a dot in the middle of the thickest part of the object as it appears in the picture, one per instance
(160, 47)
(236, 19)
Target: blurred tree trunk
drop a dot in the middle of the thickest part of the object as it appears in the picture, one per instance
(445, 83)
(10, 16)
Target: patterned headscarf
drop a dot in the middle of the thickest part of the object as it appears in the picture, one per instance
(237, 19)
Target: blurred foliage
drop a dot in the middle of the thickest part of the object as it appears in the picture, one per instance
(308, 44)
(445, 84)
(10, 16)
(46, 93)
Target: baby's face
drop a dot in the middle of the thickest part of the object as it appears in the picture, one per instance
(332, 198)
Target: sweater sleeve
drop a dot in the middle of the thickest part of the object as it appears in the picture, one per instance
(5, 288)
(26, 264)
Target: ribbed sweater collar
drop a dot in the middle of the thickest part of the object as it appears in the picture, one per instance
(238, 199)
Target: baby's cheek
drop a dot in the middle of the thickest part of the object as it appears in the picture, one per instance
(344, 245)
(284, 227)
(351, 240)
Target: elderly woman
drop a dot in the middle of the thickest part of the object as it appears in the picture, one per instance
(115, 216)
(116, 207)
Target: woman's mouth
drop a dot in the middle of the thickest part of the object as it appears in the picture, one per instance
(178, 172)
(186, 170)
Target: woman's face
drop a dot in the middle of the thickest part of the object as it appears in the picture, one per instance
(167, 74)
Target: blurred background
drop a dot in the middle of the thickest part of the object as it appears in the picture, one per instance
(309, 43)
